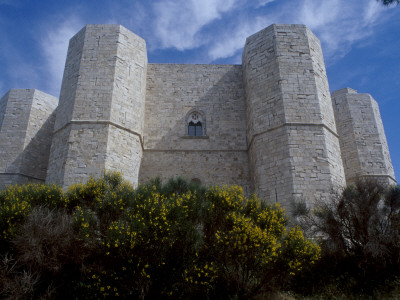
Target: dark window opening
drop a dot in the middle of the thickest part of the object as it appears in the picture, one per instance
(195, 129)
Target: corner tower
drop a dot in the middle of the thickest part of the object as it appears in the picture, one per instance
(26, 125)
(365, 151)
(293, 145)
(99, 120)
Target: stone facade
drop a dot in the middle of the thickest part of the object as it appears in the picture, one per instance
(268, 124)
(363, 144)
(293, 143)
(99, 120)
(216, 92)
(26, 127)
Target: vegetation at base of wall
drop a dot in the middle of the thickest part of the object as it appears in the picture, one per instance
(17, 201)
(105, 239)
(359, 230)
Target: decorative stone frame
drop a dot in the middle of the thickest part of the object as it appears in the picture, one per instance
(195, 115)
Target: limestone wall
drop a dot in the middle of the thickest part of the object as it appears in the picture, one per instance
(268, 124)
(13, 130)
(216, 91)
(362, 138)
(102, 102)
(210, 167)
(39, 135)
(62, 127)
(27, 121)
(293, 144)
(3, 105)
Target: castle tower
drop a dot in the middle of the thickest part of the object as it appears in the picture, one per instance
(26, 126)
(100, 116)
(363, 144)
(294, 149)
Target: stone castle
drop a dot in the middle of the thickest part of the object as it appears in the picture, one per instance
(269, 125)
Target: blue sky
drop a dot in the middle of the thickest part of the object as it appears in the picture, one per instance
(360, 39)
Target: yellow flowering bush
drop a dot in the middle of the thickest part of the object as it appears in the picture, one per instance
(242, 238)
(187, 243)
(173, 240)
(250, 244)
(146, 242)
(16, 203)
(201, 277)
(298, 251)
(85, 194)
(86, 225)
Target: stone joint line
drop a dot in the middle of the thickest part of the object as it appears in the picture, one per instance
(195, 150)
(373, 176)
(103, 122)
(21, 174)
(291, 124)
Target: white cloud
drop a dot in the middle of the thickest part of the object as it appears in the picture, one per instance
(55, 45)
(264, 2)
(230, 44)
(319, 13)
(179, 22)
(372, 12)
(339, 24)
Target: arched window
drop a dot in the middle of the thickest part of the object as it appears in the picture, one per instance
(195, 129)
(195, 124)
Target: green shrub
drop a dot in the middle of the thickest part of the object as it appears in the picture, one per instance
(16, 283)
(17, 201)
(252, 248)
(360, 235)
(219, 244)
(104, 239)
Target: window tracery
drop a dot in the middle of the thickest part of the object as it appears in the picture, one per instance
(195, 124)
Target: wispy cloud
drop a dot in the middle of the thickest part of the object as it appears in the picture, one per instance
(218, 27)
(179, 22)
(339, 23)
(318, 13)
(192, 24)
(54, 44)
(264, 2)
(372, 11)
(231, 43)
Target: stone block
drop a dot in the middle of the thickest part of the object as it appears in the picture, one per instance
(26, 125)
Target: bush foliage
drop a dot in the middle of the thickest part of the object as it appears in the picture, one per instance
(359, 231)
(105, 239)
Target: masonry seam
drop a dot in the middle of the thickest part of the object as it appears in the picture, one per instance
(21, 174)
(291, 124)
(101, 122)
(371, 175)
